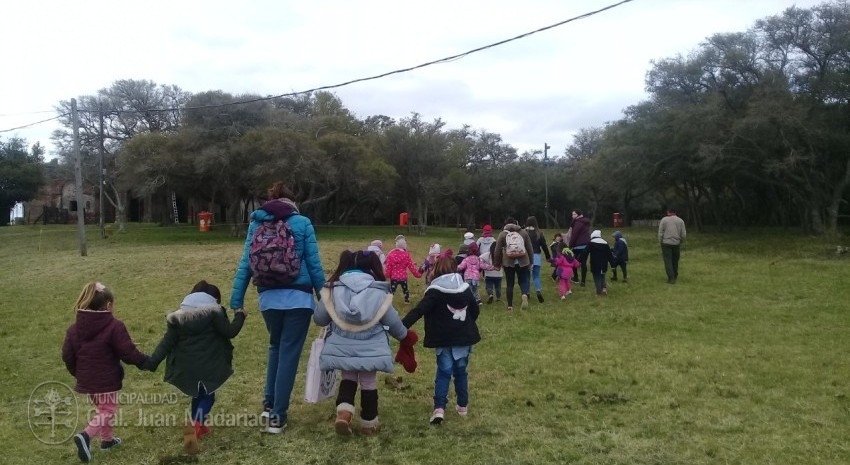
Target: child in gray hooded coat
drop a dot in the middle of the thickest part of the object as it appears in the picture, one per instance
(357, 303)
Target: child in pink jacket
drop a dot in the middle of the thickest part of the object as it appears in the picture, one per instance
(472, 267)
(398, 263)
(565, 265)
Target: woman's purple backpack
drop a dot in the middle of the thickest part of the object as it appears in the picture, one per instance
(272, 258)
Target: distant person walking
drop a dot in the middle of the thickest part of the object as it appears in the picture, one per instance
(538, 244)
(579, 241)
(513, 247)
(671, 233)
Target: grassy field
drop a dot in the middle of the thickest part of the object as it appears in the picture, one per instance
(744, 361)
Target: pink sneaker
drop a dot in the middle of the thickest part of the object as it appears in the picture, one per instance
(462, 411)
(437, 417)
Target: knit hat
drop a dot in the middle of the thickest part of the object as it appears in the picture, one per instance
(617, 234)
(468, 235)
(488, 231)
(464, 249)
(377, 243)
(434, 250)
(596, 233)
(473, 249)
(400, 242)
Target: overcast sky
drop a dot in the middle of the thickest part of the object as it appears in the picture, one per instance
(542, 88)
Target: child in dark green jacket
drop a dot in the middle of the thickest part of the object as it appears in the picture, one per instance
(198, 354)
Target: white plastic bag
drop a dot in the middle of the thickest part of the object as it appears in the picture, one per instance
(320, 384)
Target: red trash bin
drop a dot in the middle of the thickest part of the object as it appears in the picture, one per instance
(402, 219)
(618, 220)
(204, 221)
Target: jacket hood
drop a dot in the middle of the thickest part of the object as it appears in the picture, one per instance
(90, 323)
(596, 237)
(451, 283)
(617, 235)
(195, 312)
(197, 300)
(358, 297)
(275, 209)
(512, 227)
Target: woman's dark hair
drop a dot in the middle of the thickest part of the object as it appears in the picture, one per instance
(531, 221)
(510, 220)
(279, 190)
(492, 250)
(363, 260)
(207, 288)
(577, 211)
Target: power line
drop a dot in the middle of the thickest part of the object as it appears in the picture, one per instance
(32, 124)
(389, 73)
(5, 115)
(354, 81)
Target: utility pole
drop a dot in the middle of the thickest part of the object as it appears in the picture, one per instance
(100, 171)
(546, 148)
(78, 178)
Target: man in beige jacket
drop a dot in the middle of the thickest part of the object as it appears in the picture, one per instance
(671, 233)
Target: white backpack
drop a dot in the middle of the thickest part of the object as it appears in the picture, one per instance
(515, 245)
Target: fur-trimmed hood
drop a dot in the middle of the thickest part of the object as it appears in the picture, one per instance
(357, 302)
(195, 311)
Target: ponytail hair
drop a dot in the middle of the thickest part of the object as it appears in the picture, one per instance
(94, 296)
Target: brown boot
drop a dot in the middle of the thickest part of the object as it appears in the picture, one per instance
(344, 413)
(369, 427)
(190, 440)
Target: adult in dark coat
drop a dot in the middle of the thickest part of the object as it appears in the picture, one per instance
(579, 241)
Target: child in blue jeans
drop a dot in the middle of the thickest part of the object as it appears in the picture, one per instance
(450, 310)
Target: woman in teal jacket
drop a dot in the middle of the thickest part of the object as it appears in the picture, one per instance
(286, 310)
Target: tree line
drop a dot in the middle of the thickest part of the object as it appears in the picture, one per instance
(750, 128)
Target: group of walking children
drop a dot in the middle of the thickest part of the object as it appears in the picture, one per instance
(196, 347)
(357, 305)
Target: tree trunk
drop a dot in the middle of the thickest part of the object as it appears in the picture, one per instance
(836, 199)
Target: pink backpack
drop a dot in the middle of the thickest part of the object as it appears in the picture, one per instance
(272, 258)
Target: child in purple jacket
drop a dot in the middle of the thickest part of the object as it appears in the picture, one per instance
(95, 345)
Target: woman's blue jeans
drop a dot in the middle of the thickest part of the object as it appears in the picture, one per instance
(535, 273)
(287, 333)
(447, 367)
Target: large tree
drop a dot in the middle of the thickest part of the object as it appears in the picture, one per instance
(21, 172)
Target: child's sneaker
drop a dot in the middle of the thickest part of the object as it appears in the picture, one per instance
(490, 299)
(524, 301)
(267, 409)
(462, 411)
(107, 445)
(510, 309)
(437, 416)
(563, 297)
(569, 292)
(83, 442)
(275, 426)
